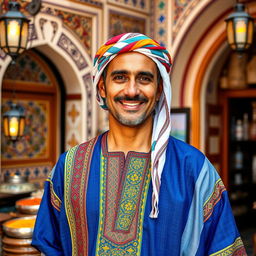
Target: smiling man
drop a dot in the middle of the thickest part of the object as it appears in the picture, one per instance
(135, 190)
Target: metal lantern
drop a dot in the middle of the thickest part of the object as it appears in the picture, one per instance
(240, 29)
(14, 122)
(13, 30)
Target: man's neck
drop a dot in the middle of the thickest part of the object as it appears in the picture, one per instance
(124, 138)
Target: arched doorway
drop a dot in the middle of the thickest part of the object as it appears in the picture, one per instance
(32, 83)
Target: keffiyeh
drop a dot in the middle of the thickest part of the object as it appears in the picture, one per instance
(161, 129)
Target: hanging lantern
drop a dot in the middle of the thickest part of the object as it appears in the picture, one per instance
(240, 29)
(13, 30)
(14, 122)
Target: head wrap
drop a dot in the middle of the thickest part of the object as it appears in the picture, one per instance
(161, 129)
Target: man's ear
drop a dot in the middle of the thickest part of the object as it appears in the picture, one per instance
(159, 90)
(101, 88)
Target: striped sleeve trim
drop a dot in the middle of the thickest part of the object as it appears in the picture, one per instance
(235, 249)
(55, 201)
(214, 198)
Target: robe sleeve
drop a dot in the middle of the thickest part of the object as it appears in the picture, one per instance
(46, 235)
(210, 229)
(219, 235)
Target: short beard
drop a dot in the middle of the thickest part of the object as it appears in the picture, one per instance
(132, 123)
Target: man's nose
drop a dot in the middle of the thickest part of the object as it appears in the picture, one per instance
(131, 88)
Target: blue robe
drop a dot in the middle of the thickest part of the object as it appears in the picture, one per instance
(195, 216)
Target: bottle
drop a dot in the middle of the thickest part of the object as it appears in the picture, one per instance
(239, 129)
(239, 157)
(253, 124)
(238, 179)
(233, 128)
(254, 169)
(245, 127)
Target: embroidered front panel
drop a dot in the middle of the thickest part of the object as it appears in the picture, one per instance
(219, 188)
(123, 193)
(235, 249)
(77, 167)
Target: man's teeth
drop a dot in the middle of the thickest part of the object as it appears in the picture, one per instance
(131, 104)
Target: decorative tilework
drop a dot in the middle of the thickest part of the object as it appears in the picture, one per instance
(160, 9)
(73, 123)
(123, 23)
(26, 68)
(69, 47)
(138, 4)
(80, 25)
(179, 7)
(93, 2)
(32, 32)
(39, 171)
(184, 8)
(34, 143)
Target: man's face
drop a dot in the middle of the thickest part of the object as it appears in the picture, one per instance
(131, 88)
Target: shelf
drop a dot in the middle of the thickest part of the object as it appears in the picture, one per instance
(242, 141)
(239, 93)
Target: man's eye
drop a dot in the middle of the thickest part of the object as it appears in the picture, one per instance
(144, 79)
(119, 78)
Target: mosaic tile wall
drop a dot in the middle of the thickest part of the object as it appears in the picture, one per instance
(36, 174)
(35, 142)
(122, 23)
(142, 5)
(160, 9)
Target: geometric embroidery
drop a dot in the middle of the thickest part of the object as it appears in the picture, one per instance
(77, 169)
(123, 192)
(215, 197)
(55, 201)
(235, 249)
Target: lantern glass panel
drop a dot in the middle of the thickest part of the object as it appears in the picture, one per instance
(240, 30)
(2, 34)
(24, 35)
(230, 33)
(14, 126)
(6, 126)
(250, 32)
(22, 126)
(13, 34)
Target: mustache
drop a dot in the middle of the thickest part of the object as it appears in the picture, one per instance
(135, 98)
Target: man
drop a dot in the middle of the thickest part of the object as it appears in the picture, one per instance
(134, 190)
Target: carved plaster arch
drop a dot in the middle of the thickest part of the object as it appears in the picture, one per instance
(50, 36)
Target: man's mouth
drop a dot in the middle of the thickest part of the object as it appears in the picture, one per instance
(131, 103)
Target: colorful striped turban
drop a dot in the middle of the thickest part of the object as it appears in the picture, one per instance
(161, 129)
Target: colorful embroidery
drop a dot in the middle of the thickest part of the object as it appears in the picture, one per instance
(55, 201)
(124, 187)
(213, 199)
(235, 249)
(77, 167)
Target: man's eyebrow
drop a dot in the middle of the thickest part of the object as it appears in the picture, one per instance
(146, 73)
(119, 72)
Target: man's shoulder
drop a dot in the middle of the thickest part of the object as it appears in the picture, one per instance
(184, 149)
(183, 146)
